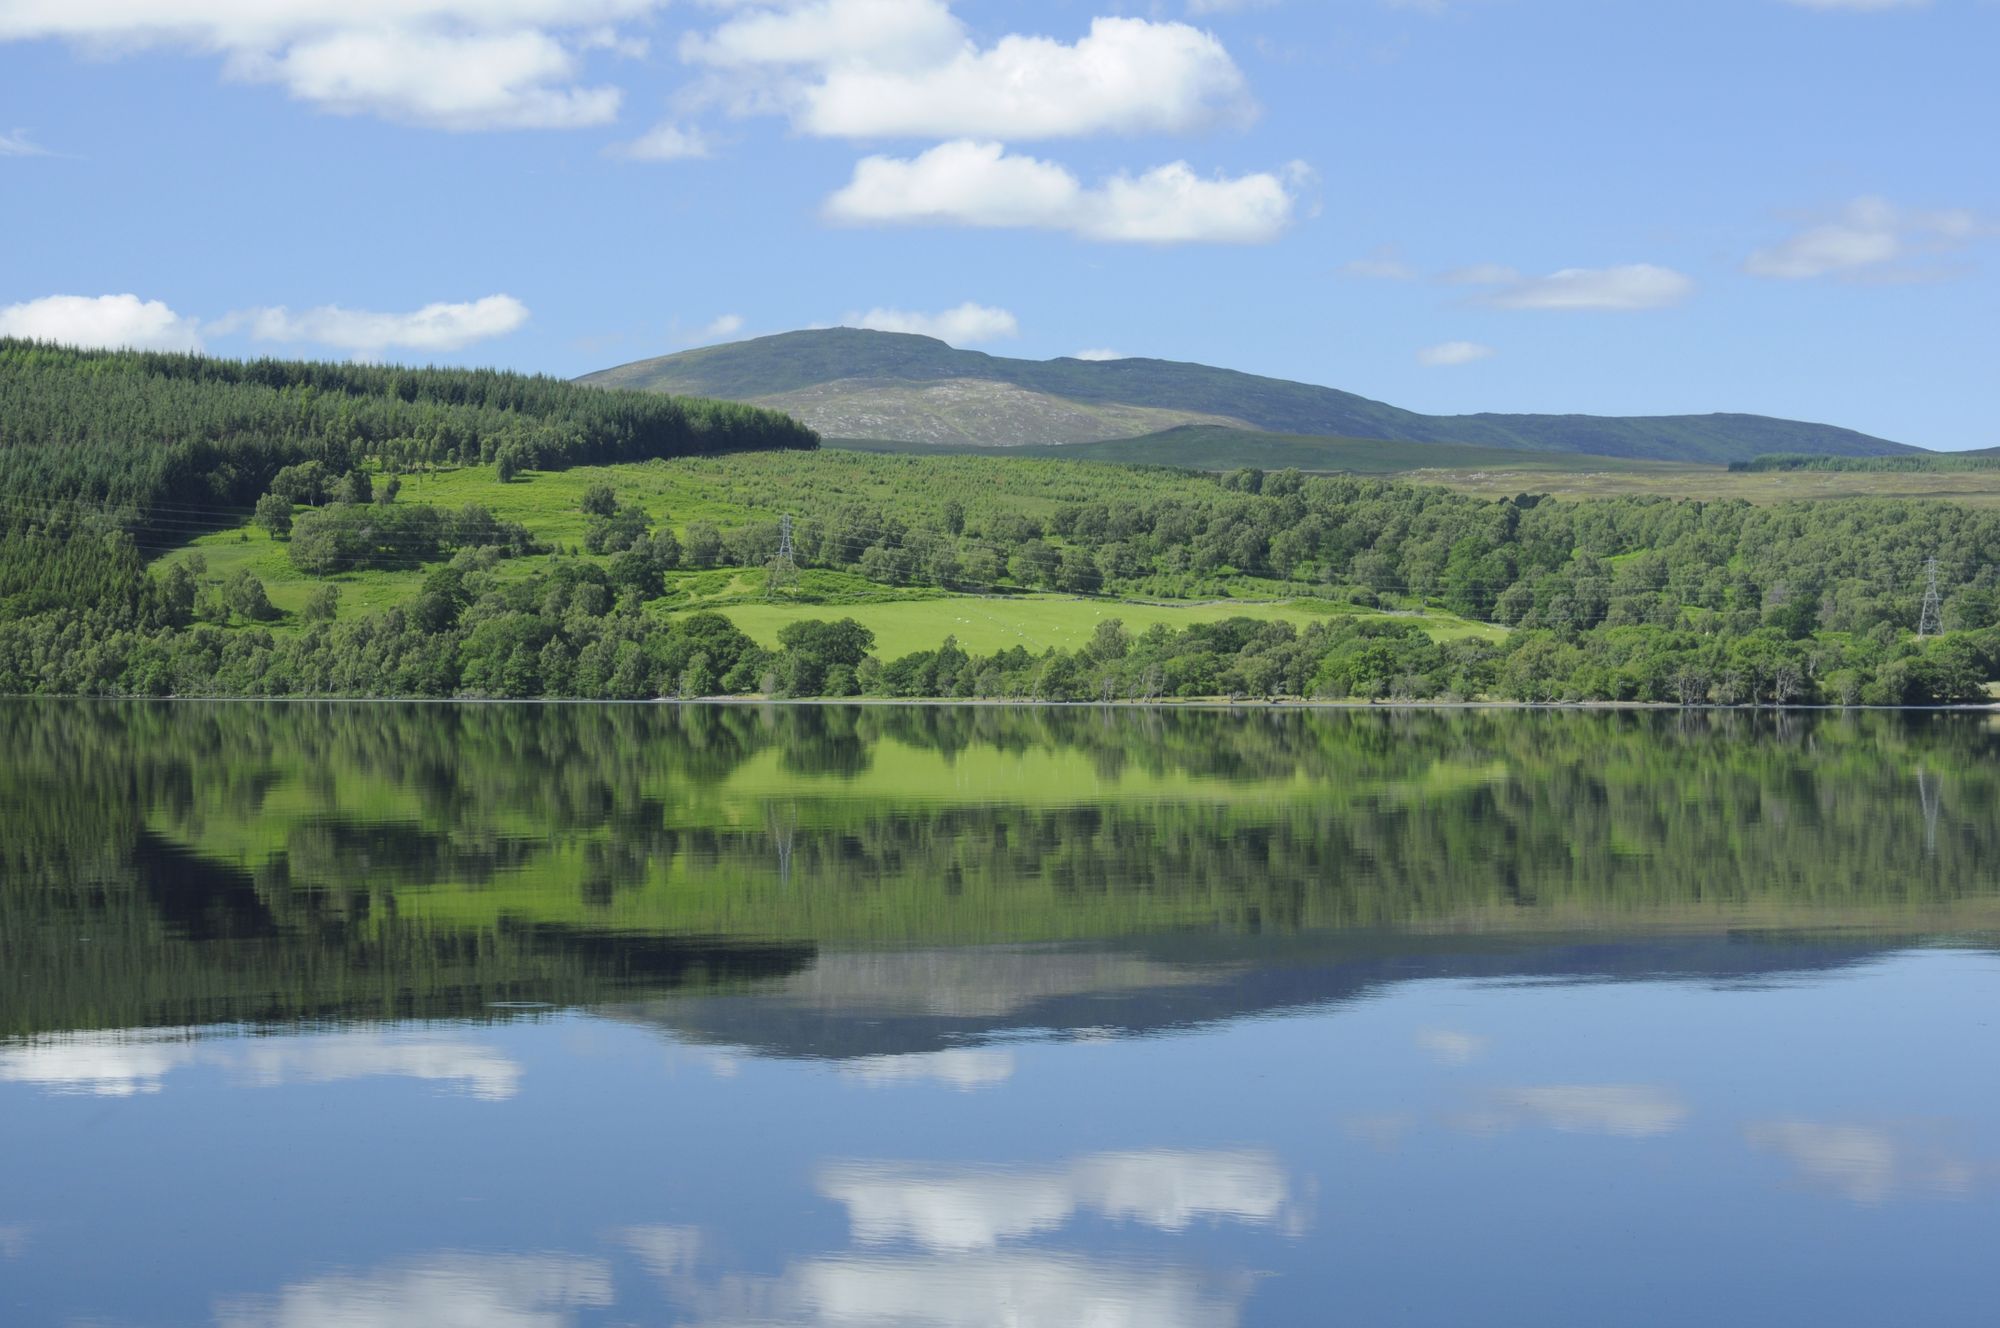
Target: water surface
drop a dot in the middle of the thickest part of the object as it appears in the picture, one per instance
(371, 1015)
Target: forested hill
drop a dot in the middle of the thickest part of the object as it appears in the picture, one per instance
(858, 384)
(169, 441)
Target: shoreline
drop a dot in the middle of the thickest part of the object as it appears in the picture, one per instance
(886, 702)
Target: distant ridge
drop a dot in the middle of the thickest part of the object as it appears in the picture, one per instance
(896, 387)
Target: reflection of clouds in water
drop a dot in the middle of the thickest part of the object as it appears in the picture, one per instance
(1006, 1291)
(975, 984)
(968, 1209)
(669, 1253)
(1451, 1047)
(480, 1072)
(1868, 1164)
(1631, 1111)
(118, 1064)
(124, 1063)
(964, 1069)
(13, 1241)
(1383, 1131)
(1019, 1290)
(448, 1291)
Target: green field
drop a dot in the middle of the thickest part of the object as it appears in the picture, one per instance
(985, 624)
(743, 489)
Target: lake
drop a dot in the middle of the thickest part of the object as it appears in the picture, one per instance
(323, 1014)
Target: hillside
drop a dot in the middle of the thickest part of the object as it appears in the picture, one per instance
(850, 383)
(185, 527)
(1221, 448)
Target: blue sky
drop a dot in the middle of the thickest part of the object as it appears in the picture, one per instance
(1782, 206)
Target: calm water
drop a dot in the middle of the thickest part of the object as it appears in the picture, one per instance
(350, 1015)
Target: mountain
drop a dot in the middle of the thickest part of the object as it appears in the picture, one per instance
(849, 383)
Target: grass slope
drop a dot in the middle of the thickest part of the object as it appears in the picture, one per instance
(741, 489)
(1216, 448)
(864, 362)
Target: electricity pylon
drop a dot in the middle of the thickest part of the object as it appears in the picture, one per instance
(784, 568)
(1931, 621)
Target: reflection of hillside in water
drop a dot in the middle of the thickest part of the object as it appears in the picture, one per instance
(948, 1016)
(182, 865)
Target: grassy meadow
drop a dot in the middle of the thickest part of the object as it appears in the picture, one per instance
(732, 491)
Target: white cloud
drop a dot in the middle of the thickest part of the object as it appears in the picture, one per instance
(979, 184)
(881, 34)
(1868, 237)
(908, 68)
(449, 1291)
(451, 64)
(721, 328)
(1633, 286)
(1098, 354)
(969, 1208)
(967, 325)
(1446, 355)
(18, 144)
(1868, 1164)
(665, 142)
(962, 1068)
(1128, 76)
(112, 321)
(1384, 264)
(435, 327)
(512, 80)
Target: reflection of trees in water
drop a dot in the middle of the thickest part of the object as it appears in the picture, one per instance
(312, 844)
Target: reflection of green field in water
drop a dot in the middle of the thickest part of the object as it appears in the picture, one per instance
(276, 861)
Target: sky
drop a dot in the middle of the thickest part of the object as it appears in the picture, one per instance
(1787, 207)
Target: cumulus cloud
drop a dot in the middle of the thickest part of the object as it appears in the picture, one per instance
(665, 142)
(451, 64)
(881, 34)
(721, 328)
(435, 327)
(109, 321)
(880, 69)
(1868, 238)
(1632, 286)
(967, 325)
(965, 183)
(1098, 354)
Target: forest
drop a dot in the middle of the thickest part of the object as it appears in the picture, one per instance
(573, 577)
